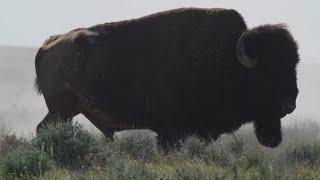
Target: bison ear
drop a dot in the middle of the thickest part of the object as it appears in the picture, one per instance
(82, 41)
(242, 57)
(85, 39)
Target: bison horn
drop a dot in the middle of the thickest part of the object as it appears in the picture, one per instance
(245, 60)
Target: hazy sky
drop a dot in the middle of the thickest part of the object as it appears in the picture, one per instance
(30, 22)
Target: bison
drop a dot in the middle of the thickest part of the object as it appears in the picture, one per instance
(176, 72)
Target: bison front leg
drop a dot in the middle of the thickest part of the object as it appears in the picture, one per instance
(53, 118)
(169, 138)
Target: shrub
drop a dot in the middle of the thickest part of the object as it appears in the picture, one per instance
(137, 144)
(4, 130)
(57, 174)
(214, 153)
(107, 152)
(195, 170)
(193, 146)
(262, 171)
(68, 144)
(303, 145)
(25, 163)
(236, 146)
(265, 170)
(127, 170)
(305, 154)
(10, 142)
(254, 159)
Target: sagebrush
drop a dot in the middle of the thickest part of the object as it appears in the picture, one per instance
(67, 151)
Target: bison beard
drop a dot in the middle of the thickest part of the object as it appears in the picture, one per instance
(177, 72)
(268, 131)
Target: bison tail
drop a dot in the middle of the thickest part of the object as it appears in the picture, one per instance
(46, 45)
(37, 63)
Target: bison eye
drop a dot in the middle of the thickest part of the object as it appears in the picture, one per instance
(100, 76)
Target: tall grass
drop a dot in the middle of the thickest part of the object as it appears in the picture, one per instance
(56, 152)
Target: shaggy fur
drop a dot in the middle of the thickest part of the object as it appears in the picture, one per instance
(174, 72)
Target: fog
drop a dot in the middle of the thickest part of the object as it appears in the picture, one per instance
(21, 108)
(29, 23)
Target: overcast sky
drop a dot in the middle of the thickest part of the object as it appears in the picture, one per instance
(30, 22)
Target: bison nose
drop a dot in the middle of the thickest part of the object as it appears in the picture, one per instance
(289, 107)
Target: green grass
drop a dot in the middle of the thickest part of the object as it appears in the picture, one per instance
(68, 151)
(25, 163)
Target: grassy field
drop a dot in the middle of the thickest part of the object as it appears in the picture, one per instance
(67, 151)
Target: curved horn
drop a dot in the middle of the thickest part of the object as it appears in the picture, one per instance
(245, 60)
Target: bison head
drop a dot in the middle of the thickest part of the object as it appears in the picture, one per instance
(270, 53)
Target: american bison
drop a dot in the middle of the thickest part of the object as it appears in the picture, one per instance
(177, 72)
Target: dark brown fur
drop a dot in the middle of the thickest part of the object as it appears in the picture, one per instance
(175, 72)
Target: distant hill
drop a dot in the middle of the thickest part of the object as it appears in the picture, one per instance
(21, 108)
